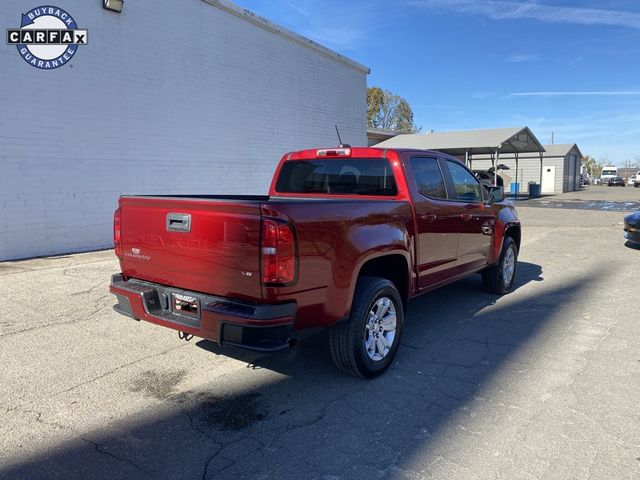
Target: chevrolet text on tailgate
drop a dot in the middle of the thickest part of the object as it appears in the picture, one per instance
(345, 238)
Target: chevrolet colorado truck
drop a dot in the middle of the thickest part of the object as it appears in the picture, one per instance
(345, 238)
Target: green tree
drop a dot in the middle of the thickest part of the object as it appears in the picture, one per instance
(375, 104)
(592, 165)
(387, 110)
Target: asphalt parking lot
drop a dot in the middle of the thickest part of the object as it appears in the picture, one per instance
(596, 197)
(543, 383)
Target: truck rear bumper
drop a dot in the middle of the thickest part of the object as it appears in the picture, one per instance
(265, 328)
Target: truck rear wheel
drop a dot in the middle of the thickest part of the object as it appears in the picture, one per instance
(366, 343)
(501, 277)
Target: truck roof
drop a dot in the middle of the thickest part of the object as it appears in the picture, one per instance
(375, 152)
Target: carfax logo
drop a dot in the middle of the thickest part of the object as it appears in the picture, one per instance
(48, 37)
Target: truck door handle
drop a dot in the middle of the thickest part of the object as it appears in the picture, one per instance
(466, 216)
(430, 217)
(179, 222)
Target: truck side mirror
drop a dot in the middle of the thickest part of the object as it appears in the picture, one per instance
(496, 194)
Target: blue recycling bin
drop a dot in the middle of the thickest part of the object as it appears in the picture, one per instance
(534, 190)
(515, 188)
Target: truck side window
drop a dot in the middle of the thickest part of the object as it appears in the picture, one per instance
(428, 177)
(466, 186)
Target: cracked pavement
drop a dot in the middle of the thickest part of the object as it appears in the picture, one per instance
(540, 384)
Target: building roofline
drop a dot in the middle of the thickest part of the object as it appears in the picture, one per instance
(547, 154)
(473, 142)
(385, 131)
(568, 147)
(283, 32)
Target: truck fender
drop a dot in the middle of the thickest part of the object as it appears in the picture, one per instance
(499, 233)
(394, 265)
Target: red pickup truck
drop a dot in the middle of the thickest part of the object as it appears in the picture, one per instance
(345, 238)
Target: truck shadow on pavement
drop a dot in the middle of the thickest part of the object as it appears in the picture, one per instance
(293, 415)
(469, 289)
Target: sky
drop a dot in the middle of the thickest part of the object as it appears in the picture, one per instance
(561, 66)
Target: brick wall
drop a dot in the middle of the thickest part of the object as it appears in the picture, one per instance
(164, 99)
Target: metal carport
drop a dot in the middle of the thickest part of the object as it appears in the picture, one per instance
(465, 144)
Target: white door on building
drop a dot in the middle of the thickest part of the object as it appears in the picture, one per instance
(548, 179)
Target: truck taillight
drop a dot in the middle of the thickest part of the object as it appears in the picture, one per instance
(278, 252)
(117, 235)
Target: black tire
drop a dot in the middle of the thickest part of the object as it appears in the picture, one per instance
(493, 278)
(347, 338)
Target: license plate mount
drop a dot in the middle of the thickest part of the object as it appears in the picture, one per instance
(185, 305)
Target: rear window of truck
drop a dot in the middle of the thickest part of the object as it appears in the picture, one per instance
(349, 176)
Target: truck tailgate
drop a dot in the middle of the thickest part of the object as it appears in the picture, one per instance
(201, 244)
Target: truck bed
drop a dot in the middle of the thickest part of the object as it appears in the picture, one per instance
(220, 254)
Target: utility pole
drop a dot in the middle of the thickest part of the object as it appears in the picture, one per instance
(626, 171)
(553, 138)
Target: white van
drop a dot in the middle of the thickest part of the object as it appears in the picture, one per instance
(607, 173)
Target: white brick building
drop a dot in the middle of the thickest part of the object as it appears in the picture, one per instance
(200, 97)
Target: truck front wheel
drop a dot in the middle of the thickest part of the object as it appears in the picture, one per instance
(366, 343)
(500, 278)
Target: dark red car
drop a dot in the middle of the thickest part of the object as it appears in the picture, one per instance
(345, 238)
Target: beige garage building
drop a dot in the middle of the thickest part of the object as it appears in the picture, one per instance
(556, 166)
(560, 169)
